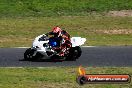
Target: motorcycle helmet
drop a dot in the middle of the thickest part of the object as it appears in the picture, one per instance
(56, 29)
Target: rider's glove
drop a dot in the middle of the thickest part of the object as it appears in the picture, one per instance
(47, 34)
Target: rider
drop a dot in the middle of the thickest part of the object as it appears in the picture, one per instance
(62, 37)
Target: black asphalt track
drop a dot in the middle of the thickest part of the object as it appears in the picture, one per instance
(119, 56)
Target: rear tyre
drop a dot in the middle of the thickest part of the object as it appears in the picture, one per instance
(79, 50)
(28, 55)
(74, 53)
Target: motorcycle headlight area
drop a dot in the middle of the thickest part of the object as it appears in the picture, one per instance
(35, 47)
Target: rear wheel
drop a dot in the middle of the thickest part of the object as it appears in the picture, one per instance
(28, 55)
(79, 50)
(74, 53)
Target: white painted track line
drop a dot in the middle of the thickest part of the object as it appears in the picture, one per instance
(29, 47)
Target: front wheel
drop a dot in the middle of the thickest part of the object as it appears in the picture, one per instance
(28, 55)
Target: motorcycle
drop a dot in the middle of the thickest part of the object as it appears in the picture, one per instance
(43, 45)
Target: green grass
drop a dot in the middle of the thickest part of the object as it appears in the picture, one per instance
(56, 77)
(17, 32)
(22, 20)
(27, 8)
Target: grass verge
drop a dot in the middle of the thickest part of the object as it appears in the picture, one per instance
(56, 77)
(98, 29)
(40, 8)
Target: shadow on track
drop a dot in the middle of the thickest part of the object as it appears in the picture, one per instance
(44, 60)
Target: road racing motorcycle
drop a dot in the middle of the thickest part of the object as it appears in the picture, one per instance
(42, 47)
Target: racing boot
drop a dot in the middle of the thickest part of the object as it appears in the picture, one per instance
(62, 52)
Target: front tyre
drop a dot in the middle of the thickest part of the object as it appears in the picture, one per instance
(28, 55)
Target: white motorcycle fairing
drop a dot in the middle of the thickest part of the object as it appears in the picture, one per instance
(41, 45)
(77, 41)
